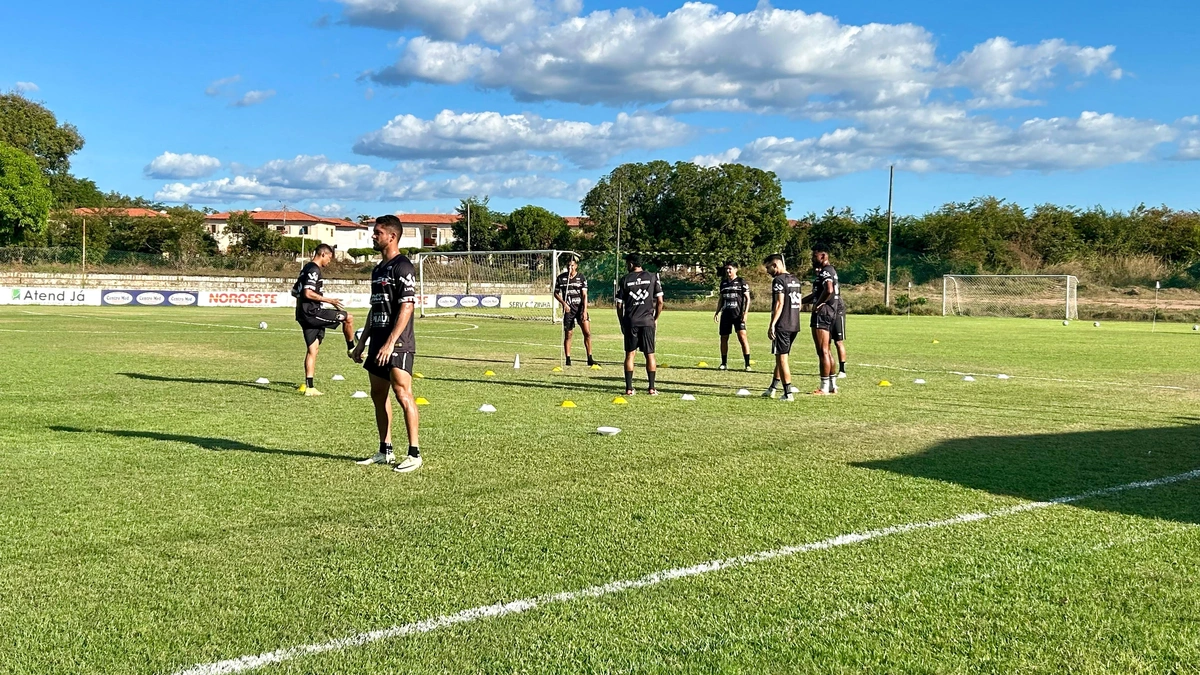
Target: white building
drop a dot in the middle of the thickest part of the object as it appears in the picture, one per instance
(421, 230)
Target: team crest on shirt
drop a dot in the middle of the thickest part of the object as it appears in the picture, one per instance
(640, 295)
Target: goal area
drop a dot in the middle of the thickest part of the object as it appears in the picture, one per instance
(490, 284)
(1038, 296)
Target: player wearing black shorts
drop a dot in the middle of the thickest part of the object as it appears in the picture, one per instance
(571, 291)
(392, 345)
(313, 318)
(785, 323)
(838, 335)
(827, 313)
(731, 311)
(639, 301)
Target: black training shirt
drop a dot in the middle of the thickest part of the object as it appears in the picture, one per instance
(733, 296)
(393, 283)
(636, 296)
(788, 286)
(820, 294)
(571, 289)
(309, 279)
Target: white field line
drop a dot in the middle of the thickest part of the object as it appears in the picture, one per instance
(251, 662)
(1026, 377)
(469, 326)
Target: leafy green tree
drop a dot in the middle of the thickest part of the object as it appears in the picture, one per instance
(32, 128)
(25, 198)
(485, 231)
(248, 237)
(67, 228)
(534, 228)
(70, 191)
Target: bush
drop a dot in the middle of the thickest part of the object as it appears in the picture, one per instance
(301, 245)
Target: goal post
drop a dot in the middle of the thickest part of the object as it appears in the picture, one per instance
(490, 284)
(1040, 296)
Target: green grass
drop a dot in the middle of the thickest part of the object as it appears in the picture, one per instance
(158, 510)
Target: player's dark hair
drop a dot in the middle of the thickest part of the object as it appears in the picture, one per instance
(728, 264)
(633, 260)
(820, 248)
(774, 257)
(322, 249)
(391, 224)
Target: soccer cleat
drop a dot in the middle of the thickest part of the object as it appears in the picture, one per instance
(841, 374)
(749, 369)
(409, 463)
(629, 392)
(722, 367)
(652, 392)
(311, 391)
(378, 458)
(787, 398)
(769, 393)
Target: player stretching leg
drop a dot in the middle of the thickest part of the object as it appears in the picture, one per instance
(639, 301)
(392, 344)
(785, 323)
(571, 291)
(313, 319)
(731, 313)
(826, 299)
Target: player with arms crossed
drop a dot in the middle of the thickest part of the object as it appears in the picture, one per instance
(826, 300)
(639, 301)
(571, 291)
(785, 323)
(313, 319)
(731, 313)
(392, 344)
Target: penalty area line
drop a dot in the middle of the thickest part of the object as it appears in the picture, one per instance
(1027, 377)
(254, 661)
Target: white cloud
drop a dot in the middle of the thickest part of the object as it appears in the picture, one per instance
(217, 87)
(940, 138)
(768, 58)
(333, 209)
(26, 87)
(316, 177)
(174, 166)
(516, 162)
(486, 134)
(493, 20)
(253, 97)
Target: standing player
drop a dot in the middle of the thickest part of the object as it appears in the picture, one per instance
(639, 301)
(731, 313)
(785, 323)
(826, 300)
(838, 335)
(571, 291)
(313, 319)
(392, 344)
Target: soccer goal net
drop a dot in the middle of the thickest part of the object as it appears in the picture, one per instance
(490, 284)
(1016, 295)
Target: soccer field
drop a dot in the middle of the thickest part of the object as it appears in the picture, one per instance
(160, 512)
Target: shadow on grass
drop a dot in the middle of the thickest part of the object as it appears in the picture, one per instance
(206, 442)
(1046, 466)
(206, 380)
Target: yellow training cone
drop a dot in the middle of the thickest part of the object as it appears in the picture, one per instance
(418, 376)
(620, 400)
(422, 401)
(556, 369)
(596, 366)
(937, 342)
(702, 364)
(885, 383)
(488, 373)
(568, 404)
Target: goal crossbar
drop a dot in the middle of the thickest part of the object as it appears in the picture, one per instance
(1011, 295)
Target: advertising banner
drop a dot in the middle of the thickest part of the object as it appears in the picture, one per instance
(468, 301)
(245, 299)
(527, 301)
(353, 300)
(79, 297)
(144, 298)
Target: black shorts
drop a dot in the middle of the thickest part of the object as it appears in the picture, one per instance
(783, 342)
(824, 318)
(314, 324)
(571, 318)
(731, 323)
(838, 332)
(639, 339)
(401, 360)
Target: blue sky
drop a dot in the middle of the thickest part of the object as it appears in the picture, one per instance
(371, 106)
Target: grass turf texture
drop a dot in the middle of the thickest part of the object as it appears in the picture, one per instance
(159, 510)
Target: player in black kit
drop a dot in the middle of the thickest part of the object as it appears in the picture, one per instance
(571, 291)
(639, 301)
(392, 344)
(827, 310)
(314, 319)
(731, 311)
(785, 323)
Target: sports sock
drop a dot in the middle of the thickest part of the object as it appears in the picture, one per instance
(414, 451)
(724, 360)
(832, 383)
(308, 382)
(747, 357)
(650, 376)
(568, 360)
(841, 366)
(349, 344)
(787, 388)
(591, 361)
(385, 448)
(629, 379)
(774, 384)
(825, 384)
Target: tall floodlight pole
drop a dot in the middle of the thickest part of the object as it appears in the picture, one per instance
(469, 246)
(617, 268)
(887, 284)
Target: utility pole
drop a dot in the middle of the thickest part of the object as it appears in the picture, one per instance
(469, 245)
(84, 220)
(887, 284)
(617, 269)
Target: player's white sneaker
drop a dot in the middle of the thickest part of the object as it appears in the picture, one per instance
(310, 391)
(722, 367)
(787, 398)
(410, 463)
(652, 392)
(793, 389)
(769, 393)
(841, 374)
(378, 458)
(749, 369)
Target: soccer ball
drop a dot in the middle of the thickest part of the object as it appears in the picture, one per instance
(1195, 327)
(1096, 324)
(262, 325)
(1066, 323)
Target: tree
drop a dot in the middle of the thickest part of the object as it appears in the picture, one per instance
(249, 237)
(70, 192)
(532, 228)
(33, 129)
(485, 233)
(25, 198)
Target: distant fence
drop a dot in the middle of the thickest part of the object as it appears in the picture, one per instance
(48, 257)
